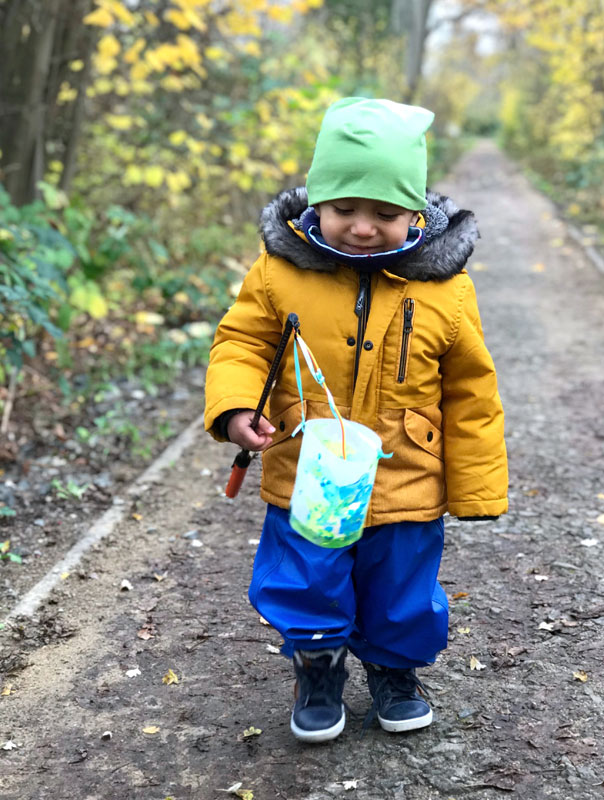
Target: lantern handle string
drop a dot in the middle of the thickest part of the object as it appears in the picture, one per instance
(315, 371)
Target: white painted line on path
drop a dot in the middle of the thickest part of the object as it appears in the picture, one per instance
(30, 602)
(589, 250)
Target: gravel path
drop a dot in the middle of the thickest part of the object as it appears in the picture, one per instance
(518, 695)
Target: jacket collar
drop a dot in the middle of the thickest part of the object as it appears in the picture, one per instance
(451, 234)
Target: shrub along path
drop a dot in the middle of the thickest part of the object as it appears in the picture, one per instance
(90, 709)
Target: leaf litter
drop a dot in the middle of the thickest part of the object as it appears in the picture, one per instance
(170, 677)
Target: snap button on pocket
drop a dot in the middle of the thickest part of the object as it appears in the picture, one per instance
(351, 341)
(282, 426)
(368, 345)
(430, 436)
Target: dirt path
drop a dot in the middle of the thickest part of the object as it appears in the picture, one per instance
(527, 597)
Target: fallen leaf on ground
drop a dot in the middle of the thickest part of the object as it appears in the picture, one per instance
(541, 578)
(350, 785)
(64, 576)
(264, 621)
(136, 516)
(132, 673)
(580, 675)
(463, 630)
(170, 677)
(10, 745)
(159, 577)
(7, 690)
(272, 649)
(546, 626)
(151, 729)
(600, 519)
(251, 731)
(475, 664)
(245, 794)
(531, 492)
(459, 595)
(147, 631)
(600, 495)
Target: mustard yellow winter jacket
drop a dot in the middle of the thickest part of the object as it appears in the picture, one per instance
(411, 364)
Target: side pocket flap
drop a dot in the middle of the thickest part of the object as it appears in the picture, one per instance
(421, 431)
(286, 422)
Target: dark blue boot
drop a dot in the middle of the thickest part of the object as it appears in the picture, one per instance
(318, 714)
(396, 699)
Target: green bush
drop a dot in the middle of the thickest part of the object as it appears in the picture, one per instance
(94, 296)
(34, 260)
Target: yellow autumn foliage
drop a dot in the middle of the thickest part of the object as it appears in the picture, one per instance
(173, 125)
(570, 39)
(66, 93)
(108, 46)
(99, 17)
(120, 123)
(154, 176)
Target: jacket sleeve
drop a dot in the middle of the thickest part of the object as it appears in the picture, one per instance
(474, 447)
(243, 349)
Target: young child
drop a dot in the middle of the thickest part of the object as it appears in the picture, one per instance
(373, 267)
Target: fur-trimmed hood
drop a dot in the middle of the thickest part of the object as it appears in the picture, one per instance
(451, 234)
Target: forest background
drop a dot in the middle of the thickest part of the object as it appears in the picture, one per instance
(139, 140)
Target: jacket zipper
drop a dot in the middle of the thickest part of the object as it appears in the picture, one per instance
(361, 309)
(408, 312)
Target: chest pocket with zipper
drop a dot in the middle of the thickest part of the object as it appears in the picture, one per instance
(406, 336)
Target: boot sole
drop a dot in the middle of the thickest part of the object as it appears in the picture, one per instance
(323, 735)
(398, 726)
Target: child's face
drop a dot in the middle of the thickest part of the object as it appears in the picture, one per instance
(357, 226)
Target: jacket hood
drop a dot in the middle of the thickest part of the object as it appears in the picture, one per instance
(451, 234)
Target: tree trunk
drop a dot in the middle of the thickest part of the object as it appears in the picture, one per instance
(12, 15)
(10, 35)
(79, 107)
(409, 18)
(23, 151)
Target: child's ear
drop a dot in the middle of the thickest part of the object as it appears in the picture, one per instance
(415, 218)
(317, 209)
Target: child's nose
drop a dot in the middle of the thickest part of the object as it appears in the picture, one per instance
(363, 226)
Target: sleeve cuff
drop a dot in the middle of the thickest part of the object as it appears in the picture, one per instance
(221, 423)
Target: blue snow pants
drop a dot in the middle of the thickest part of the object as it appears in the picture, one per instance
(379, 596)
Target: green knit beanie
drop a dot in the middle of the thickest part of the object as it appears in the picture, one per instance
(375, 149)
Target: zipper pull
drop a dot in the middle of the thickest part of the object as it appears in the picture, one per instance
(364, 283)
(408, 315)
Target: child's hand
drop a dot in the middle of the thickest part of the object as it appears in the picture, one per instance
(240, 431)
